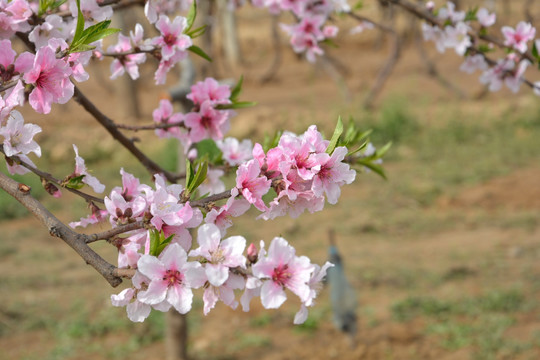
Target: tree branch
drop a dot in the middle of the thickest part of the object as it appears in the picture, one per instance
(111, 127)
(105, 235)
(58, 229)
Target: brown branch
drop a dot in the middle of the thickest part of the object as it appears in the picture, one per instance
(105, 235)
(149, 127)
(112, 128)
(58, 229)
(124, 273)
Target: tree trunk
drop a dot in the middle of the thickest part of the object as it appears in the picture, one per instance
(176, 336)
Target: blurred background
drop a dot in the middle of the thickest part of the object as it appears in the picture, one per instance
(444, 256)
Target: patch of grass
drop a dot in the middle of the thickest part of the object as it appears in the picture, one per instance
(493, 302)
(249, 340)
(261, 320)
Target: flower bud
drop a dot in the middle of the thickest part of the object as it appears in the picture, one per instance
(252, 253)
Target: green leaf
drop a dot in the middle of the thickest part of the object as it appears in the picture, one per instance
(158, 242)
(163, 243)
(81, 48)
(197, 50)
(535, 51)
(382, 151)
(199, 177)
(80, 25)
(471, 15)
(237, 89)
(271, 142)
(236, 105)
(378, 169)
(192, 14)
(358, 5)
(189, 173)
(208, 148)
(154, 242)
(337, 133)
(197, 32)
(97, 32)
(362, 146)
(75, 182)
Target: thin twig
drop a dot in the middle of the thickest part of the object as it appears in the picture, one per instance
(105, 235)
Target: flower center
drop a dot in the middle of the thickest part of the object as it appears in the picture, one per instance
(281, 275)
(173, 277)
(169, 39)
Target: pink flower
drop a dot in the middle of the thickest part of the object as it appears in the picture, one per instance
(94, 218)
(53, 27)
(518, 38)
(164, 115)
(14, 97)
(18, 136)
(50, 77)
(125, 63)
(333, 174)
(212, 184)
(172, 40)
(251, 184)
(281, 269)
(92, 11)
(514, 81)
(235, 152)
(221, 216)
(209, 89)
(207, 123)
(171, 278)
(315, 285)
(80, 169)
(221, 255)
(225, 293)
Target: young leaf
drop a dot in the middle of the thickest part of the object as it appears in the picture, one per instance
(236, 105)
(192, 14)
(197, 50)
(189, 173)
(382, 151)
(237, 89)
(337, 133)
(374, 167)
(154, 242)
(75, 182)
(197, 32)
(199, 177)
(163, 243)
(80, 25)
(208, 148)
(97, 32)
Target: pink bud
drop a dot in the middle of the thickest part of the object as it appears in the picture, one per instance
(430, 5)
(252, 253)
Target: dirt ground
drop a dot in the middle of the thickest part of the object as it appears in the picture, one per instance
(440, 274)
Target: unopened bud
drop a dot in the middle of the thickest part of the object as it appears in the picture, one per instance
(430, 5)
(51, 188)
(252, 253)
